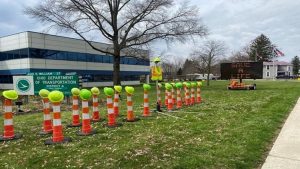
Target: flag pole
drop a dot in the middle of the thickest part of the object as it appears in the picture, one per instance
(273, 63)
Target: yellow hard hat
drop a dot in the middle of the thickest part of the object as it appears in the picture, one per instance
(157, 59)
(56, 96)
(10, 94)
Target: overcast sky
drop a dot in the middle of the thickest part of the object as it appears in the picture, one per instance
(236, 22)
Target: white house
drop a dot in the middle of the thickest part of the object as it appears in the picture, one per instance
(277, 69)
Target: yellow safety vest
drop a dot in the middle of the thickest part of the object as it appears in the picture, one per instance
(156, 73)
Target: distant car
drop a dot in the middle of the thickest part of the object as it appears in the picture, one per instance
(198, 76)
(284, 77)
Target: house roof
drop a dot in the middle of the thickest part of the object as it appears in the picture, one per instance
(278, 63)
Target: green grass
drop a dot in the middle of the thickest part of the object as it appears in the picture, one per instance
(230, 129)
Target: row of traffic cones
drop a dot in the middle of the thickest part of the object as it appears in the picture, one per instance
(171, 98)
(55, 97)
(85, 95)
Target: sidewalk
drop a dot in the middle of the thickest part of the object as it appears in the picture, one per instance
(285, 152)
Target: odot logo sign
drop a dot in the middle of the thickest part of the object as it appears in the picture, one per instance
(23, 85)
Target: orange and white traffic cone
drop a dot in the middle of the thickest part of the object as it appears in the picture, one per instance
(96, 115)
(130, 114)
(146, 112)
(199, 99)
(47, 126)
(192, 93)
(8, 116)
(186, 102)
(188, 85)
(166, 97)
(173, 94)
(75, 108)
(109, 92)
(118, 90)
(86, 128)
(170, 100)
(57, 136)
(178, 91)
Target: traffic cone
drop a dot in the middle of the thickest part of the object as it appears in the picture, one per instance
(75, 108)
(86, 128)
(146, 112)
(192, 93)
(8, 116)
(47, 126)
(170, 100)
(199, 99)
(118, 90)
(109, 92)
(188, 85)
(57, 136)
(166, 97)
(130, 114)
(186, 102)
(96, 115)
(173, 94)
(178, 91)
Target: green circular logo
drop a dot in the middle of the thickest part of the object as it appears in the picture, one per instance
(23, 85)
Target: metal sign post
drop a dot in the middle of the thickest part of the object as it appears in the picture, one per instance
(157, 75)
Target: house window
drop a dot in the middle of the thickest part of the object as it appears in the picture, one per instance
(268, 74)
(268, 67)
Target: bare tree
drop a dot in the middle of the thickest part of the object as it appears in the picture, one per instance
(208, 54)
(171, 64)
(241, 55)
(124, 23)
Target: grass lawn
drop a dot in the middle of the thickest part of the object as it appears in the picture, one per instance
(230, 129)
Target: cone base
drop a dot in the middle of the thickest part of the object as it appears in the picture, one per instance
(16, 136)
(113, 126)
(50, 141)
(98, 120)
(80, 133)
(74, 125)
(45, 132)
(133, 120)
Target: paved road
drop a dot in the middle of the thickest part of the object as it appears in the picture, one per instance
(285, 153)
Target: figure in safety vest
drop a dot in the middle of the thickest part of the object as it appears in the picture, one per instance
(156, 71)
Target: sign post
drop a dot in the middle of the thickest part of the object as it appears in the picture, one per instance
(156, 74)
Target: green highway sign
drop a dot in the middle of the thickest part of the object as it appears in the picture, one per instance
(63, 83)
(35, 81)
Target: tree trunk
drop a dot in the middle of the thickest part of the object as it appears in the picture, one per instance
(208, 72)
(208, 77)
(116, 68)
